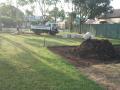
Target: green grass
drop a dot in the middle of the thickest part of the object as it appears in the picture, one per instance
(26, 65)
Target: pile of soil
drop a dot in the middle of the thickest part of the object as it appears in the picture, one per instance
(97, 49)
(105, 72)
(90, 52)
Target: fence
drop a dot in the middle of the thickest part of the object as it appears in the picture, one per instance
(101, 30)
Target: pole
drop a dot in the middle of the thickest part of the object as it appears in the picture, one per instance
(44, 42)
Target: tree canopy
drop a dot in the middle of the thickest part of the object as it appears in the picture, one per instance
(92, 8)
(56, 13)
(43, 5)
(10, 14)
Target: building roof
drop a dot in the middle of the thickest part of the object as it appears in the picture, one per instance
(91, 21)
(114, 14)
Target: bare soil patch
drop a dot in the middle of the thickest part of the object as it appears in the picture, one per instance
(103, 72)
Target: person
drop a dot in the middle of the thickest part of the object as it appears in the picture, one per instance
(18, 28)
(54, 28)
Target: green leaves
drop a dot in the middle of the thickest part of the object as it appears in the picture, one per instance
(25, 2)
(10, 15)
(22, 2)
(91, 8)
(56, 13)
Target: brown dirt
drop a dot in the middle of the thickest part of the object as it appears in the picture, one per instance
(104, 73)
(96, 49)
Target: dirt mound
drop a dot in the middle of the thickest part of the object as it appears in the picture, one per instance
(93, 48)
(105, 72)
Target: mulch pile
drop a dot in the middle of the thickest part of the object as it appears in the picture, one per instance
(90, 52)
(96, 49)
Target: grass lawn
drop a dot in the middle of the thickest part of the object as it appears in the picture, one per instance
(26, 65)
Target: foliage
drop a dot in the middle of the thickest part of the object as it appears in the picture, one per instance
(56, 13)
(62, 14)
(10, 15)
(11, 11)
(7, 21)
(92, 8)
(30, 12)
(44, 6)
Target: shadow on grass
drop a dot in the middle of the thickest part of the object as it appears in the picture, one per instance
(52, 41)
(59, 72)
(51, 62)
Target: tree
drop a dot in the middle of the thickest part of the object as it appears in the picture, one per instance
(91, 8)
(85, 9)
(44, 5)
(62, 14)
(29, 13)
(72, 17)
(56, 13)
(10, 14)
(55, 10)
(7, 21)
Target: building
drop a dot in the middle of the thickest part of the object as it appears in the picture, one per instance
(92, 21)
(111, 18)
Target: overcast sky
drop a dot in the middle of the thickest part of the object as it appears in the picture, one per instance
(114, 3)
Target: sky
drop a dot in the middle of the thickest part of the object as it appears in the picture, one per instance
(114, 3)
